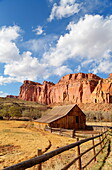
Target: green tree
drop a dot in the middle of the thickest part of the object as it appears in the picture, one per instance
(5, 112)
(15, 111)
(32, 113)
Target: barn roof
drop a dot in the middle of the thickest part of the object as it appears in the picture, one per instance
(56, 113)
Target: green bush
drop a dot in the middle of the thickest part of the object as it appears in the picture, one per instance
(15, 111)
(32, 113)
(5, 112)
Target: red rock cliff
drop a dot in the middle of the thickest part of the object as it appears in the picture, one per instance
(103, 91)
(72, 88)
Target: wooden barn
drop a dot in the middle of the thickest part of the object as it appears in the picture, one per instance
(68, 117)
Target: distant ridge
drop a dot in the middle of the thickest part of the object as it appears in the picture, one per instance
(71, 88)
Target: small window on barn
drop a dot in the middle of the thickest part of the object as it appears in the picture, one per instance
(77, 119)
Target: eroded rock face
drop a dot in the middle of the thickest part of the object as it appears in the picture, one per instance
(72, 88)
(103, 91)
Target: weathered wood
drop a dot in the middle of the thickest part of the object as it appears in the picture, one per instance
(78, 154)
(69, 120)
(60, 132)
(73, 133)
(94, 156)
(94, 152)
(39, 152)
(51, 130)
(42, 158)
(100, 143)
(74, 160)
(103, 138)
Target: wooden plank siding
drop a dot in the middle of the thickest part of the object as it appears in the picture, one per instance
(67, 117)
(69, 121)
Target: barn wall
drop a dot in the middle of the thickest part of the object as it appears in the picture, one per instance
(69, 121)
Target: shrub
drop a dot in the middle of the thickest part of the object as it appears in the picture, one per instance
(15, 111)
(32, 113)
(98, 116)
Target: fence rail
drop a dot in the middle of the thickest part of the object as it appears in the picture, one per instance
(77, 133)
(42, 158)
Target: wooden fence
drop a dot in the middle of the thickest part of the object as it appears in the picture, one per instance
(77, 133)
(103, 140)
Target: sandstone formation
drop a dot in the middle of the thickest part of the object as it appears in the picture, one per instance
(103, 91)
(12, 96)
(72, 88)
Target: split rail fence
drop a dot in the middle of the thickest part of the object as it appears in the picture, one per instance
(103, 140)
(77, 133)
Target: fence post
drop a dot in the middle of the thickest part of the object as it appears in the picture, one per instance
(105, 135)
(78, 153)
(101, 143)
(103, 138)
(51, 129)
(39, 152)
(73, 133)
(60, 132)
(101, 129)
(94, 152)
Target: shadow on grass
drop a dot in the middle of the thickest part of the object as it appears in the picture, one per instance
(105, 158)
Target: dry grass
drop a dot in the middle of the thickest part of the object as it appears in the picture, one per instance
(100, 123)
(19, 141)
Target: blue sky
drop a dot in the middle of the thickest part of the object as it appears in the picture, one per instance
(47, 39)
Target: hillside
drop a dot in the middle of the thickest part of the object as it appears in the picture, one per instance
(93, 111)
(13, 107)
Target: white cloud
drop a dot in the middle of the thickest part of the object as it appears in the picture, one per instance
(5, 80)
(65, 8)
(2, 94)
(87, 43)
(10, 33)
(78, 69)
(39, 30)
(103, 67)
(88, 40)
(8, 48)
(41, 45)
(26, 68)
(62, 70)
(18, 67)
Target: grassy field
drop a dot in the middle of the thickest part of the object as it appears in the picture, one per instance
(19, 141)
(100, 123)
(7, 101)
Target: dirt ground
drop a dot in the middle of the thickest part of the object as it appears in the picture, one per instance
(19, 141)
